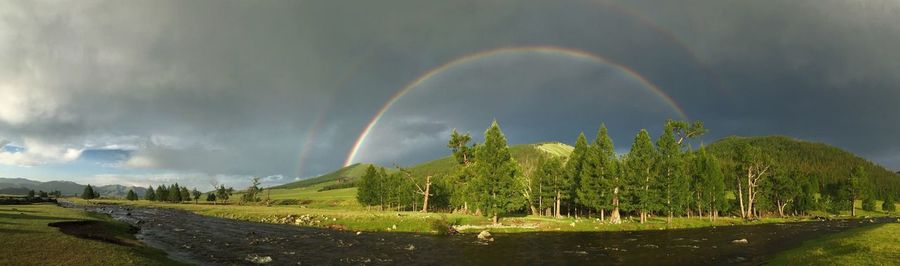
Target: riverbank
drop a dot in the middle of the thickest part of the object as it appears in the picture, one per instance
(870, 245)
(416, 222)
(28, 240)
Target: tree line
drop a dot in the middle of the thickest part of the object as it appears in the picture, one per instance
(663, 178)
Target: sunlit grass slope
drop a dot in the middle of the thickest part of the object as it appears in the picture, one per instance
(874, 245)
(25, 239)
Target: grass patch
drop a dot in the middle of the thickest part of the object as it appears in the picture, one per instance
(28, 240)
(872, 245)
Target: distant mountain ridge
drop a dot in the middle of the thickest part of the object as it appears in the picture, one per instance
(19, 186)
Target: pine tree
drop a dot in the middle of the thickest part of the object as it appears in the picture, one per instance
(150, 195)
(573, 169)
(185, 194)
(367, 185)
(554, 184)
(709, 183)
(599, 171)
(211, 196)
(131, 195)
(496, 175)
(868, 204)
(30, 195)
(162, 193)
(670, 173)
(174, 193)
(88, 192)
(888, 205)
(645, 197)
(856, 188)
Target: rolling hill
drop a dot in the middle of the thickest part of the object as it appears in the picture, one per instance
(828, 163)
(18, 185)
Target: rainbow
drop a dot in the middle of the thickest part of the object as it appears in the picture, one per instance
(470, 57)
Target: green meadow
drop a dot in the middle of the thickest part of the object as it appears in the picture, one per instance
(25, 227)
(872, 245)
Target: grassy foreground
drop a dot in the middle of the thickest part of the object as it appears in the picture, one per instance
(360, 219)
(873, 245)
(28, 240)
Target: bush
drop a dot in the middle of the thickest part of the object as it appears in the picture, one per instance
(443, 226)
(868, 204)
(888, 204)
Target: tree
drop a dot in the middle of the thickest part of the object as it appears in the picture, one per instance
(162, 193)
(683, 131)
(252, 194)
(856, 188)
(196, 193)
(755, 166)
(555, 184)
(574, 168)
(175, 193)
(599, 169)
(211, 196)
(806, 200)
(644, 197)
(150, 195)
(43, 194)
(131, 195)
(670, 173)
(496, 175)
(709, 183)
(185, 194)
(888, 205)
(781, 190)
(88, 192)
(223, 193)
(30, 195)
(868, 204)
(459, 145)
(367, 193)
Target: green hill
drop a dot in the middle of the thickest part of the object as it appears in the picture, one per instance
(828, 163)
(349, 172)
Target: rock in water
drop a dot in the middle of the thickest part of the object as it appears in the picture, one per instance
(258, 259)
(741, 241)
(485, 235)
(410, 247)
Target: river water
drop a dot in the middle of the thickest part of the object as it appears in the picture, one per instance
(207, 240)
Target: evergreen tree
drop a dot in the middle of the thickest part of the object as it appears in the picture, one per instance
(645, 195)
(174, 193)
(223, 193)
(30, 195)
(131, 195)
(367, 185)
(185, 194)
(598, 171)
(43, 194)
(573, 169)
(856, 187)
(459, 145)
(88, 192)
(888, 205)
(162, 193)
(806, 200)
(496, 175)
(211, 196)
(554, 184)
(196, 193)
(780, 190)
(670, 172)
(868, 204)
(150, 195)
(709, 183)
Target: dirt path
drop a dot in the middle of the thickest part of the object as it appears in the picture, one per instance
(216, 241)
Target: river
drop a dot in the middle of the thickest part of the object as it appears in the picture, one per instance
(208, 240)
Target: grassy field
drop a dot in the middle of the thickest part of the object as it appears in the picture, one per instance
(361, 219)
(27, 240)
(874, 245)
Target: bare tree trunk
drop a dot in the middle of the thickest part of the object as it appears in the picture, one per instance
(427, 190)
(749, 197)
(614, 217)
(558, 203)
(741, 199)
(495, 219)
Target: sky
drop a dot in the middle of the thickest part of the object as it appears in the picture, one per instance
(211, 92)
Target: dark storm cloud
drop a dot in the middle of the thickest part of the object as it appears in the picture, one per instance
(232, 88)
